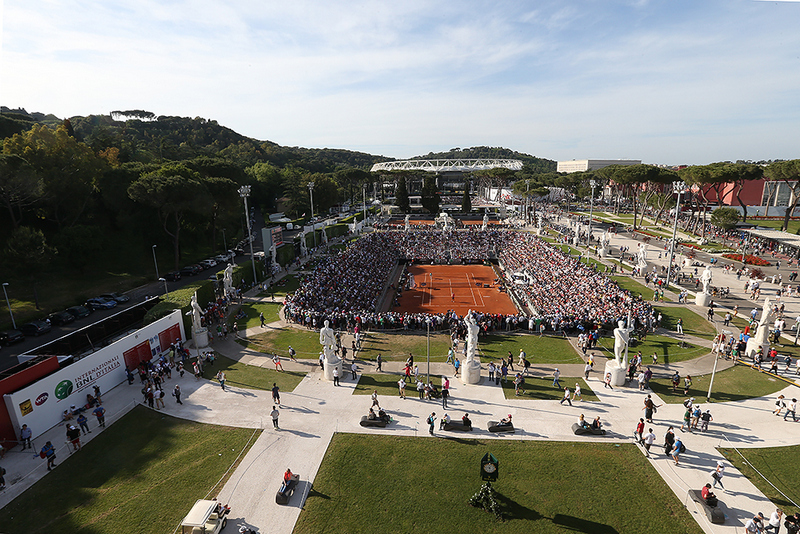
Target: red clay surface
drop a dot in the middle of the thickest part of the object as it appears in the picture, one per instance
(454, 287)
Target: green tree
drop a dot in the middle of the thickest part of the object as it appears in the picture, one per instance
(725, 217)
(27, 252)
(174, 191)
(20, 186)
(787, 172)
(430, 195)
(401, 195)
(79, 245)
(466, 201)
(268, 184)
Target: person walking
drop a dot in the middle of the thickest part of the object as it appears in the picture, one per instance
(774, 523)
(159, 394)
(431, 419)
(679, 326)
(401, 386)
(276, 394)
(100, 413)
(566, 397)
(176, 392)
(718, 473)
(274, 414)
(649, 439)
(445, 396)
(577, 393)
(25, 437)
(84, 424)
(638, 434)
(221, 379)
(586, 370)
(375, 399)
(354, 370)
(261, 318)
(677, 449)
(292, 354)
(49, 453)
(336, 376)
(556, 374)
(607, 382)
(277, 361)
(792, 408)
(379, 361)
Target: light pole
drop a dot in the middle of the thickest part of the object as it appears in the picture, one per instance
(311, 194)
(155, 261)
(428, 380)
(166, 291)
(13, 322)
(364, 192)
(679, 188)
(244, 192)
(224, 241)
(592, 183)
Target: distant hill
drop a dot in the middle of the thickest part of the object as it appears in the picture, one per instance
(142, 137)
(537, 165)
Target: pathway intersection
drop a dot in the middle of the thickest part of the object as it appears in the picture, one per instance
(315, 410)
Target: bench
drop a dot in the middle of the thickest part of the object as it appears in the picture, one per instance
(495, 426)
(714, 514)
(578, 430)
(287, 488)
(367, 422)
(457, 426)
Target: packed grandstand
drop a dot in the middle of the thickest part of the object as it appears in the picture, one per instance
(562, 292)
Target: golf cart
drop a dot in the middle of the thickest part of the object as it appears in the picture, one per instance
(204, 519)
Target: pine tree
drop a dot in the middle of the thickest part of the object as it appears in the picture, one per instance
(401, 195)
(466, 202)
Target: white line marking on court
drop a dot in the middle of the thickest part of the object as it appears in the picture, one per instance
(474, 301)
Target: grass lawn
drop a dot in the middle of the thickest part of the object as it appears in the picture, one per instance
(737, 383)
(545, 349)
(287, 284)
(142, 474)
(541, 388)
(252, 377)
(398, 346)
(693, 324)
(277, 341)
(668, 349)
(628, 283)
(252, 309)
(779, 465)
(404, 484)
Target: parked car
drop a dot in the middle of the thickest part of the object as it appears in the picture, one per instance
(35, 328)
(209, 263)
(222, 258)
(173, 276)
(188, 271)
(99, 303)
(120, 298)
(11, 336)
(61, 318)
(79, 311)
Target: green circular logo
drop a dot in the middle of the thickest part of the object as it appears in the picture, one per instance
(63, 389)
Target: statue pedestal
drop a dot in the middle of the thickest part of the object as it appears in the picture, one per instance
(575, 241)
(602, 253)
(702, 299)
(617, 373)
(331, 364)
(471, 372)
(200, 338)
(757, 343)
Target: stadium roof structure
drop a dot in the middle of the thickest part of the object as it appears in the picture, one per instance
(438, 165)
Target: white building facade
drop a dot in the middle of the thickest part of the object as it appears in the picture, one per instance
(581, 165)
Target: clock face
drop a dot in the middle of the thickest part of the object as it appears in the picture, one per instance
(489, 468)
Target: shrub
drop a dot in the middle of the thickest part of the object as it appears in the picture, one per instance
(752, 260)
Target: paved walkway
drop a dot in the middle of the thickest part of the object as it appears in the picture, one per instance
(315, 410)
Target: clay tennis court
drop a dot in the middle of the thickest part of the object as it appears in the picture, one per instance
(454, 287)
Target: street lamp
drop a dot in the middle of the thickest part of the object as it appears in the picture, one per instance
(244, 192)
(13, 322)
(679, 188)
(311, 194)
(155, 261)
(364, 192)
(592, 183)
(224, 241)
(166, 291)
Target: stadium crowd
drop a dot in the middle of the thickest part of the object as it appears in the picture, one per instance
(566, 294)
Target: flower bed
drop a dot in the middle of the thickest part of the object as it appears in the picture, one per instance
(750, 260)
(691, 245)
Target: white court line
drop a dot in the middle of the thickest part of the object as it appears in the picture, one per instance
(480, 294)
(474, 301)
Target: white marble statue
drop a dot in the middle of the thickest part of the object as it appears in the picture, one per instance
(227, 279)
(303, 246)
(485, 221)
(327, 338)
(641, 258)
(471, 366)
(760, 339)
(274, 251)
(539, 223)
(197, 314)
(605, 239)
(705, 278)
(408, 217)
(622, 337)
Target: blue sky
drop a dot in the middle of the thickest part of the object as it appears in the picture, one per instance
(668, 82)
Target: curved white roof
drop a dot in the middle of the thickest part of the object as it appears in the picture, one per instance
(437, 165)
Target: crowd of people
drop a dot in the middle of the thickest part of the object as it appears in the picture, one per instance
(565, 293)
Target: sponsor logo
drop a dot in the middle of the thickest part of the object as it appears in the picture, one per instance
(41, 399)
(63, 389)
